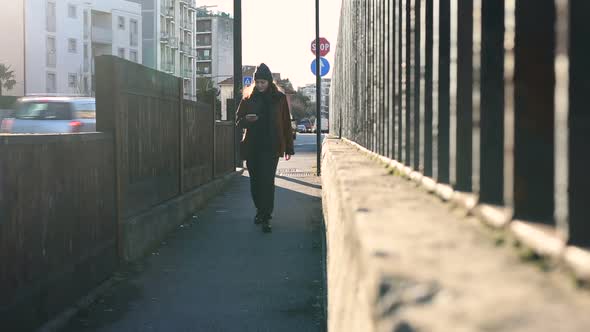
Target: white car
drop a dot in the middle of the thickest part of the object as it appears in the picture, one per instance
(301, 128)
(44, 115)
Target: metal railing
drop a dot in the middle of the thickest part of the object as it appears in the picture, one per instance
(449, 89)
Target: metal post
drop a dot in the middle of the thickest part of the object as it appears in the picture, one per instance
(534, 85)
(416, 42)
(491, 179)
(428, 85)
(444, 92)
(237, 76)
(318, 80)
(400, 76)
(579, 124)
(408, 73)
(464, 141)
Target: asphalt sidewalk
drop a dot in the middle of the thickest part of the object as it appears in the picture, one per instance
(220, 272)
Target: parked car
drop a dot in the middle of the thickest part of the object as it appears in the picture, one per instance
(46, 115)
(301, 128)
(308, 125)
(324, 123)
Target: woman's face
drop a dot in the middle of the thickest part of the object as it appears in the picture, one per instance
(261, 85)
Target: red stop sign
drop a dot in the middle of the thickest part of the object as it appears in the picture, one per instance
(324, 46)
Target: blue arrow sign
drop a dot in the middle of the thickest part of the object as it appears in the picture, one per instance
(247, 80)
(324, 66)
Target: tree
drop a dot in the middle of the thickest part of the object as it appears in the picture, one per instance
(7, 79)
(207, 92)
(301, 107)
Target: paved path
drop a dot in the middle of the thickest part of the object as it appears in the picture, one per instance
(219, 272)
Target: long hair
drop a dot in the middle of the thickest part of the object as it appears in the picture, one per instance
(250, 90)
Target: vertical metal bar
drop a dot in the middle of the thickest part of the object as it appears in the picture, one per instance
(579, 123)
(417, 76)
(392, 75)
(408, 95)
(491, 178)
(400, 78)
(428, 83)
(443, 150)
(237, 76)
(534, 84)
(318, 80)
(464, 145)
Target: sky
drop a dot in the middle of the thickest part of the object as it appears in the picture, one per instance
(279, 33)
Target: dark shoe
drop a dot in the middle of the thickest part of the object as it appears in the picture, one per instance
(258, 220)
(266, 227)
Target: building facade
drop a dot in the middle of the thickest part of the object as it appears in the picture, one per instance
(309, 91)
(169, 39)
(56, 41)
(214, 43)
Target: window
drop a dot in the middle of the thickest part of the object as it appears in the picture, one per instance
(72, 78)
(44, 111)
(72, 11)
(50, 17)
(121, 53)
(51, 56)
(204, 40)
(204, 26)
(133, 55)
(133, 32)
(203, 68)
(72, 45)
(203, 54)
(121, 23)
(51, 83)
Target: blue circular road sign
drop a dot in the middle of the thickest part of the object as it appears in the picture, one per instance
(324, 66)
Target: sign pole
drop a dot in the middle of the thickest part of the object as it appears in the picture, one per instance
(237, 77)
(318, 87)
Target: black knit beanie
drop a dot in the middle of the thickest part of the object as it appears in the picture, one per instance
(263, 73)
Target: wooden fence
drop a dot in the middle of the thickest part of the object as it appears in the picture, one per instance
(224, 148)
(164, 143)
(64, 198)
(58, 228)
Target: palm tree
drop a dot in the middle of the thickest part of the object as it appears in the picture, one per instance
(6, 78)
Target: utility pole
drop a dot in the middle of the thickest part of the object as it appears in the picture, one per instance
(318, 88)
(237, 77)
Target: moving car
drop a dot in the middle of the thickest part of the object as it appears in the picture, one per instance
(301, 128)
(44, 115)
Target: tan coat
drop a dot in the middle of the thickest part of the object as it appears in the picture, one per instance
(282, 134)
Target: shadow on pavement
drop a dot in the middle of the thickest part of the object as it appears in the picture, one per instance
(219, 272)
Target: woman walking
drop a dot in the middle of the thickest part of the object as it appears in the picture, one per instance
(264, 114)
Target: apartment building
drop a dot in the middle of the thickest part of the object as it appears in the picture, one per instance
(309, 90)
(214, 43)
(169, 39)
(56, 41)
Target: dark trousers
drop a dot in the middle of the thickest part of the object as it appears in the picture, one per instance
(262, 167)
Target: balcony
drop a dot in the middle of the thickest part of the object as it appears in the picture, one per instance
(188, 73)
(173, 42)
(102, 35)
(192, 4)
(167, 9)
(186, 49)
(168, 67)
(187, 24)
(202, 57)
(164, 37)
